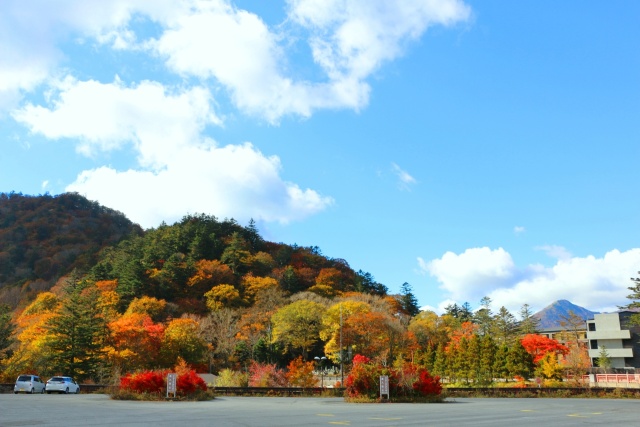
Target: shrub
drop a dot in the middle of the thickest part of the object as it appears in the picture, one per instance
(229, 378)
(144, 382)
(154, 382)
(407, 382)
(266, 376)
(189, 383)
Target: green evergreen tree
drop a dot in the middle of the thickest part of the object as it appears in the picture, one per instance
(528, 324)
(237, 254)
(634, 296)
(77, 332)
(465, 314)
(604, 360)
(7, 328)
(484, 317)
(487, 359)
(505, 326)
(519, 361)
(500, 369)
(408, 301)
(474, 361)
(440, 361)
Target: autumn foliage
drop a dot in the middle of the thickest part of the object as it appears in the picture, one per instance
(154, 382)
(406, 381)
(538, 346)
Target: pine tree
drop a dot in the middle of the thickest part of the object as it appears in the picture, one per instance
(77, 332)
(528, 324)
(408, 301)
(504, 326)
(440, 361)
(473, 353)
(519, 361)
(634, 296)
(6, 330)
(604, 361)
(487, 359)
(500, 362)
(484, 317)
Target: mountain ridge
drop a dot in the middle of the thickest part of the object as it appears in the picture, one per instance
(555, 313)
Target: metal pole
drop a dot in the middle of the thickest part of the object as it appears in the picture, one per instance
(341, 355)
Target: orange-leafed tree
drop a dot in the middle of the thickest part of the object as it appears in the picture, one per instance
(32, 334)
(209, 273)
(466, 330)
(539, 345)
(300, 373)
(332, 320)
(135, 342)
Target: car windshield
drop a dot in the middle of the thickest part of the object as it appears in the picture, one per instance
(57, 379)
(24, 378)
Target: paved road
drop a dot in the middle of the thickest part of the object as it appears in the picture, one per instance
(99, 410)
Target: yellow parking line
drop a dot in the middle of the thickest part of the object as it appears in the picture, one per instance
(325, 415)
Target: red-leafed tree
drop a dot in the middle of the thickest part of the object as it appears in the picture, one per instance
(539, 345)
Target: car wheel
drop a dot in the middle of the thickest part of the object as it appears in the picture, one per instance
(15, 392)
(48, 392)
(78, 390)
(42, 391)
(32, 391)
(67, 390)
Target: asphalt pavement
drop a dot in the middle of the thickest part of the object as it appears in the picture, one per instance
(99, 410)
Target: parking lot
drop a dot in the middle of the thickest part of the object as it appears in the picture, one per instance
(99, 410)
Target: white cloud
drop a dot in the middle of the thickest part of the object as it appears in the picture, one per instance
(31, 32)
(518, 229)
(232, 181)
(216, 41)
(104, 117)
(349, 41)
(555, 251)
(180, 171)
(403, 176)
(599, 284)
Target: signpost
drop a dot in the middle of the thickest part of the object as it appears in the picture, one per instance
(171, 384)
(384, 386)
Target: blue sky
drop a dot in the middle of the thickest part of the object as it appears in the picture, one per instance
(476, 148)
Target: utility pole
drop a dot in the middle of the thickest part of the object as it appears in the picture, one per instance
(341, 364)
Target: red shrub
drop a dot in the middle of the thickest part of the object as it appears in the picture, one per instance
(144, 382)
(426, 385)
(189, 383)
(409, 380)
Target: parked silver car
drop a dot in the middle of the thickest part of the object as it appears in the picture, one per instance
(29, 384)
(62, 385)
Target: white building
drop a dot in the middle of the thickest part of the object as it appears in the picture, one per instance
(613, 332)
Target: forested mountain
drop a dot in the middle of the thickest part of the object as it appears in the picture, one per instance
(93, 296)
(180, 263)
(43, 238)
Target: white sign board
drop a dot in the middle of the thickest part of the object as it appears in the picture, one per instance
(171, 384)
(384, 386)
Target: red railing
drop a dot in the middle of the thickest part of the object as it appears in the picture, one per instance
(615, 378)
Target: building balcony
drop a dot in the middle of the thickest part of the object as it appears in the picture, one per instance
(609, 335)
(612, 352)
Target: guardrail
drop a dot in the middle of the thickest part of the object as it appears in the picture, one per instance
(339, 392)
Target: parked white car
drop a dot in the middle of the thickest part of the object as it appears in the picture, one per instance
(62, 385)
(29, 384)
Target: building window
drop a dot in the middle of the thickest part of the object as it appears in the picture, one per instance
(594, 344)
(592, 326)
